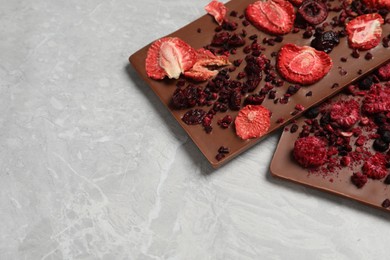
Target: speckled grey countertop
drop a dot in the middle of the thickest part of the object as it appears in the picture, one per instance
(94, 167)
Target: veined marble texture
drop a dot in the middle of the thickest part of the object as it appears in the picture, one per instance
(94, 167)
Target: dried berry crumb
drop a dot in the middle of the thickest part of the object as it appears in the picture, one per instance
(294, 128)
(343, 59)
(309, 93)
(359, 179)
(386, 203)
(368, 56)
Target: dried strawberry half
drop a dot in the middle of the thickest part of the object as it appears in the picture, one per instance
(314, 12)
(377, 100)
(218, 10)
(252, 121)
(169, 56)
(304, 65)
(310, 151)
(345, 113)
(375, 167)
(204, 60)
(365, 31)
(271, 16)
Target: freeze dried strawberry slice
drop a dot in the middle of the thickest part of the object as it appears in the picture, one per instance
(169, 56)
(365, 31)
(345, 113)
(375, 167)
(204, 60)
(218, 10)
(304, 65)
(377, 100)
(271, 16)
(310, 151)
(252, 121)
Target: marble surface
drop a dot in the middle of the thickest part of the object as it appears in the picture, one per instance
(94, 167)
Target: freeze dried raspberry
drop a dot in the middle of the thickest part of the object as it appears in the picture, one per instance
(359, 180)
(345, 113)
(314, 12)
(365, 31)
(384, 72)
(204, 59)
(377, 100)
(304, 65)
(252, 121)
(375, 167)
(169, 56)
(377, 4)
(271, 16)
(310, 151)
(218, 10)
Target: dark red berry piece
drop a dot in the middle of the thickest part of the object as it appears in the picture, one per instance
(359, 180)
(314, 12)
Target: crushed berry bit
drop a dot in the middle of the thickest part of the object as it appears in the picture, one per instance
(309, 93)
(342, 71)
(224, 150)
(368, 56)
(294, 128)
(194, 116)
(335, 85)
(343, 59)
(280, 120)
(355, 53)
(386, 203)
(387, 180)
(234, 13)
(359, 180)
(199, 30)
(220, 156)
(299, 107)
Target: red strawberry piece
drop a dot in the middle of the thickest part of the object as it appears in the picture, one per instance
(271, 16)
(169, 56)
(310, 151)
(252, 121)
(304, 65)
(204, 59)
(365, 31)
(375, 167)
(384, 72)
(377, 99)
(296, 2)
(218, 10)
(345, 113)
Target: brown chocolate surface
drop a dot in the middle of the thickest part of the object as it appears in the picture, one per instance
(283, 165)
(209, 143)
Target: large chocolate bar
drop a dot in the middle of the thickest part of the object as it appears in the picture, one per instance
(200, 33)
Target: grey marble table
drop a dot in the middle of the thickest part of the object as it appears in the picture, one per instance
(94, 167)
